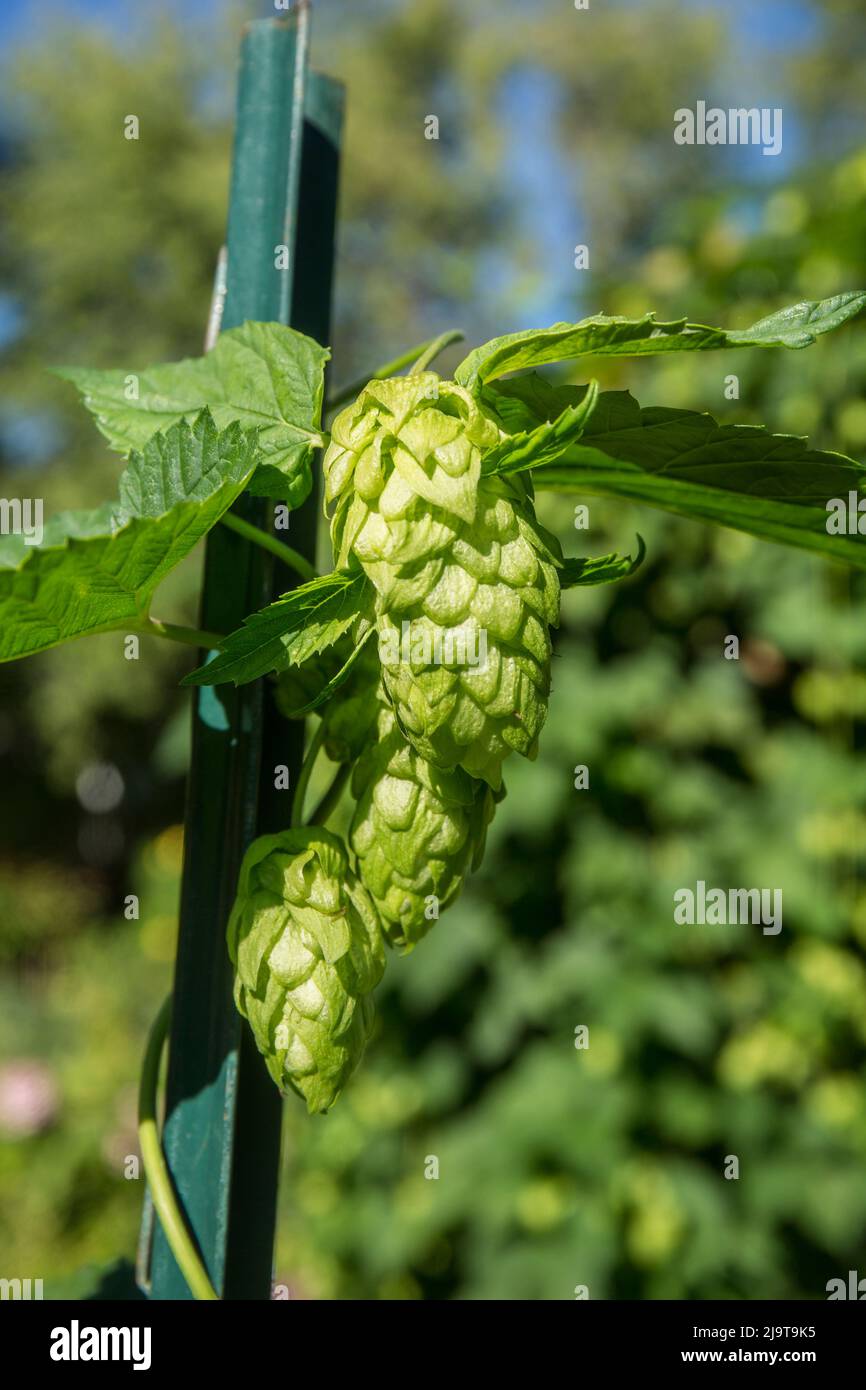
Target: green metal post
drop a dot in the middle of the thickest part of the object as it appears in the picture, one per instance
(222, 1130)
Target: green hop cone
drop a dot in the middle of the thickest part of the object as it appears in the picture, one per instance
(466, 579)
(307, 948)
(417, 830)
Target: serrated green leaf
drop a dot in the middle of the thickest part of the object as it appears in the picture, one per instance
(600, 569)
(772, 486)
(601, 336)
(264, 375)
(287, 632)
(546, 442)
(97, 570)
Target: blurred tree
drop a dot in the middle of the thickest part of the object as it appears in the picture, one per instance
(106, 255)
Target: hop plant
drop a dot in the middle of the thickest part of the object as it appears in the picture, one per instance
(438, 548)
(438, 553)
(465, 578)
(417, 830)
(307, 947)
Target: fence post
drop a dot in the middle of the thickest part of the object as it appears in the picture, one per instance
(222, 1130)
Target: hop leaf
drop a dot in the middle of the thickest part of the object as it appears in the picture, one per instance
(350, 715)
(307, 947)
(417, 830)
(298, 686)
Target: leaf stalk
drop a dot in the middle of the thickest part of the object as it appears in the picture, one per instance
(426, 351)
(290, 557)
(189, 636)
(306, 769)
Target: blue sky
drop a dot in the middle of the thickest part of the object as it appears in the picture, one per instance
(770, 23)
(21, 19)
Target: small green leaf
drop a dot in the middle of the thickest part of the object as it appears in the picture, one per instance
(263, 375)
(600, 569)
(770, 485)
(300, 624)
(544, 443)
(601, 336)
(335, 682)
(524, 402)
(97, 570)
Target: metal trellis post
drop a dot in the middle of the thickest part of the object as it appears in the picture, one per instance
(222, 1130)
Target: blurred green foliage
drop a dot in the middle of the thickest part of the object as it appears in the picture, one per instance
(557, 1166)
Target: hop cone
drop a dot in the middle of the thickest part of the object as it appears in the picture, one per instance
(465, 577)
(306, 943)
(417, 830)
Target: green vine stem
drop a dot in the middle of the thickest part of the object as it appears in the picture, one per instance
(306, 769)
(331, 796)
(426, 351)
(433, 349)
(189, 636)
(156, 1169)
(282, 551)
